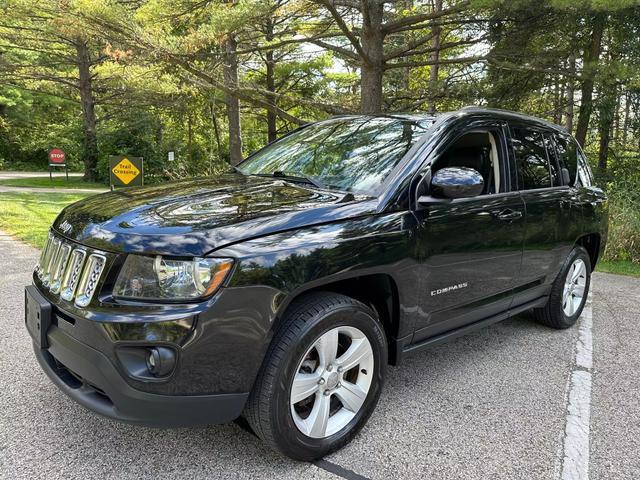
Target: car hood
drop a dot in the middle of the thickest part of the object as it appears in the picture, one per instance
(194, 217)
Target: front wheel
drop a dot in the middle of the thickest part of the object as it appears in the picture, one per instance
(569, 291)
(321, 378)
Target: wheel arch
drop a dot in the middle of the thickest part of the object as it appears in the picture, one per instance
(591, 243)
(379, 291)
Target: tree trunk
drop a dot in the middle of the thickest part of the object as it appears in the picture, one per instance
(87, 102)
(626, 123)
(372, 68)
(434, 69)
(558, 104)
(591, 58)
(616, 120)
(190, 137)
(216, 130)
(272, 128)
(607, 115)
(230, 73)
(570, 94)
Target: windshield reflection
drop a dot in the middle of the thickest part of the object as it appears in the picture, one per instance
(350, 153)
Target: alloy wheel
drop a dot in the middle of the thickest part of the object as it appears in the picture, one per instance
(574, 287)
(332, 382)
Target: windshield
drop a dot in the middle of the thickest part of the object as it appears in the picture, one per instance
(350, 154)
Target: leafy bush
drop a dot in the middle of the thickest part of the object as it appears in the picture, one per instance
(624, 221)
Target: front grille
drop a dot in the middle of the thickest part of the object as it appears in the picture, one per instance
(70, 270)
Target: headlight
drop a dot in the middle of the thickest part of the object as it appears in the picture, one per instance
(159, 278)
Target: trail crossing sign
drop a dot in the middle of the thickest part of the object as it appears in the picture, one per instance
(126, 171)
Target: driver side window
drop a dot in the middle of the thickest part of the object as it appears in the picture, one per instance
(477, 150)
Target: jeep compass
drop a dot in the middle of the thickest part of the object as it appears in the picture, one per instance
(281, 290)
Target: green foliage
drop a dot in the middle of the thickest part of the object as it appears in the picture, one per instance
(624, 221)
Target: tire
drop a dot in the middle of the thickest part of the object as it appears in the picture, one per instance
(295, 353)
(560, 314)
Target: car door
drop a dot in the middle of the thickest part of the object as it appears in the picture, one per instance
(547, 227)
(470, 250)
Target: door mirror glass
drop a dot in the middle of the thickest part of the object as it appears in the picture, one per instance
(566, 176)
(456, 182)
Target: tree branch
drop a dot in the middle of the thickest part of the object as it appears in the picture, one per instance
(399, 52)
(329, 5)
(394, 26)
(446, 61)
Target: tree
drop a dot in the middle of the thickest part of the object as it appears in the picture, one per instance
(48, 52)
(357, 32)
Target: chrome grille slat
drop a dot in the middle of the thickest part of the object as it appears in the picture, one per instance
(89, 279)
(69, 270)
(43, 256)
(72, 274)
(59, 267)
(50, 261)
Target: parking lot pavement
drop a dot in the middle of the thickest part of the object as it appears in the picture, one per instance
(489, 405)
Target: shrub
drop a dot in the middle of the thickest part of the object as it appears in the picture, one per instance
(624, 222)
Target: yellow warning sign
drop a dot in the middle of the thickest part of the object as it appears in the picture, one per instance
(125, 171)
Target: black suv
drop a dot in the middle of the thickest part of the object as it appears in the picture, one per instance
(281, 291)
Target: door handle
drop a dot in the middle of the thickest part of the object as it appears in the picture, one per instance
(509, 215)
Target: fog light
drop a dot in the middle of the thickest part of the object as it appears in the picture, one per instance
(161, 361)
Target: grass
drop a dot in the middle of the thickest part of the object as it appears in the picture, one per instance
(28, 215)
(620, 267)
(56, 182)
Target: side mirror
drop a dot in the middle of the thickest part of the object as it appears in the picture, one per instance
(566, 176)
(457, 182)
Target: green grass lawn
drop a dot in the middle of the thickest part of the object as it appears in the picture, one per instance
(29, 215)
(620, 267)
(56, 182)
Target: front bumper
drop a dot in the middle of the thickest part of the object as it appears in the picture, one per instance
(89, 378)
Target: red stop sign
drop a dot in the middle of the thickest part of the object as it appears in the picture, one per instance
(57, 157)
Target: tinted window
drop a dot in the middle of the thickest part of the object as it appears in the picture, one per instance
(584, 171)
(531, 159)
(568, 155)
(354, 154)
(556, 177)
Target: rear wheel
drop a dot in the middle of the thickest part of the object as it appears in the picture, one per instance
(569, 291)
(322, 377)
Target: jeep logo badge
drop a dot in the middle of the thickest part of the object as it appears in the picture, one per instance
(65, 227)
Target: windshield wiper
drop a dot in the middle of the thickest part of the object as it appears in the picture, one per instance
(295, 177)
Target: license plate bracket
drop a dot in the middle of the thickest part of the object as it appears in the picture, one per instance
(37, 315)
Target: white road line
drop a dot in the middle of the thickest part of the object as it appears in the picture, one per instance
(575, 463)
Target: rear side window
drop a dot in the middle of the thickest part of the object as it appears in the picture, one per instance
(556, 177)
(531, 159)
(568, 155)
(584, 170)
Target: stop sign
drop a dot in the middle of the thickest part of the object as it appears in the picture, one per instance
(57, 157)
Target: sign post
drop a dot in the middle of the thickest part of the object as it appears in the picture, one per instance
(57, 158)
(125, 171)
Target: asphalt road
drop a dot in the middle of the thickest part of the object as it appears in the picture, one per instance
(7, 174)
(493, 404)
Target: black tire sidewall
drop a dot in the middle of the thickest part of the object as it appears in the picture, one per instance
(289, 439)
